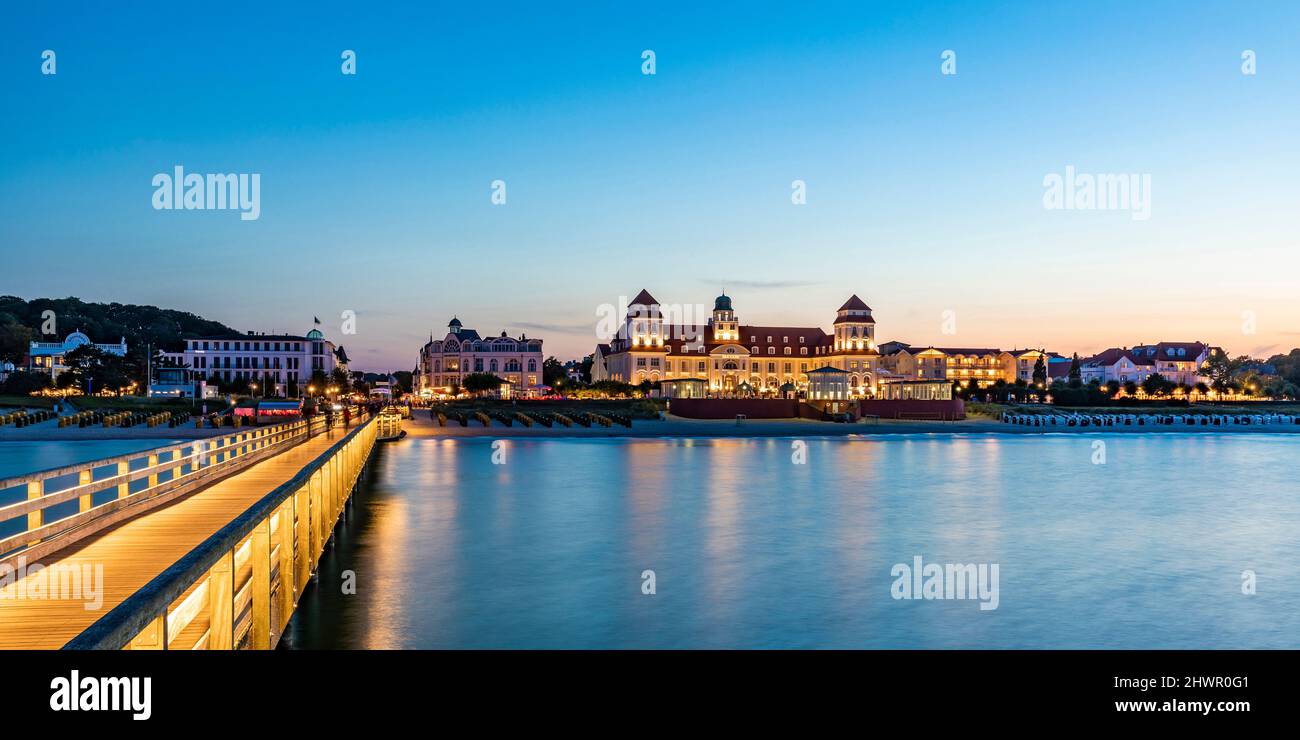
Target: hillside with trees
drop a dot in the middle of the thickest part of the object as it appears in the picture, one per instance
(21, 322)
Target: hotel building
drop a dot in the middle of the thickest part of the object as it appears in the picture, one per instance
(275, 362)
(1180, 362)
(445, 362)
(724, 357)
(983, 365)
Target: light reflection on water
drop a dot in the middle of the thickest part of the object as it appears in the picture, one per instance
(750, 550)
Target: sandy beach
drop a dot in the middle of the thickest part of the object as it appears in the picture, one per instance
(422, 425)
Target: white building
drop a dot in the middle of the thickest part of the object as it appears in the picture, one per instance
(280, 364)
(1180, 362)
(47, 357)
(445, 362)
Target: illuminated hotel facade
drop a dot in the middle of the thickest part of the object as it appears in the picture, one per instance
(443, 363)
(724, 357)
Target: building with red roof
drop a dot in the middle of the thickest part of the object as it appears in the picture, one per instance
(660, 343)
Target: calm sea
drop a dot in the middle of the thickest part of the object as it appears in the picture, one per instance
(1124, 541)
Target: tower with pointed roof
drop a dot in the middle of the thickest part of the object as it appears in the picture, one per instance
(643, 327)
(855, 330)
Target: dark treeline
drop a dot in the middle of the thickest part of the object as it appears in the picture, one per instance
(22, 321)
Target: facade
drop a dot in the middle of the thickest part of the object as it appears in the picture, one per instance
(445, 362)
(1179, 362)
(736, 359)
(1119, 364)
(981, 365)
(47, 357)
(277, 363)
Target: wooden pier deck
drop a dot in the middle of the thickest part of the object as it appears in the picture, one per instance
(134, 552)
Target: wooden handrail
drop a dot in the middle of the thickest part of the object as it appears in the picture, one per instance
(285, 532)
(205, 458)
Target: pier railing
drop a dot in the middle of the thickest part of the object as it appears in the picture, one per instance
(103, 492)
(238, 588)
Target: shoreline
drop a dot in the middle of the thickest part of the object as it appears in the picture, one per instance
(423, 427)
(426, 428)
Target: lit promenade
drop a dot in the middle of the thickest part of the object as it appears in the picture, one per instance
(136, 551)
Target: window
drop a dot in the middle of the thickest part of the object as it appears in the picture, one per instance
(803, 350)
(640, 361)
(771, 350)
(769, 338)
(787, 350)
(753, 350)
(785, 340)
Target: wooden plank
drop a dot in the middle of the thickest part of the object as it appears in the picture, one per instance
(221, 604)
(35, 490)
(85, 478)
(135, 551)
(260, 634)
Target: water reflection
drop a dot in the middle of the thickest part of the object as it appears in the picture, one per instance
(753, 550)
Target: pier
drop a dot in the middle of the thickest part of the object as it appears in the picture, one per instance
(207, 544)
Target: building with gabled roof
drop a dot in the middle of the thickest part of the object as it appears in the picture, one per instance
(1179, 362)
(734, 358)
(443, 363)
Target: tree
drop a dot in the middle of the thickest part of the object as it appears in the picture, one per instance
(103, 322)
(479, 383)
(1130, 389)
(1220, 369)
(340, 380)
(1112, 388)
(1076, 372)
(317, 383)
(552, 371)
(405, 380)
(1156, 385)
(1040, 371)
(90, 370)
(15, 339)
(24, 383)
(1287, 366)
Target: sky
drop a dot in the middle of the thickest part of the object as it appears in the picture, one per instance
(925, 191)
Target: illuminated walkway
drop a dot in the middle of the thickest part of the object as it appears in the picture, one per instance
(135, 552)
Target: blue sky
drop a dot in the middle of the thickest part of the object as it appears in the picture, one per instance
(924, 190)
